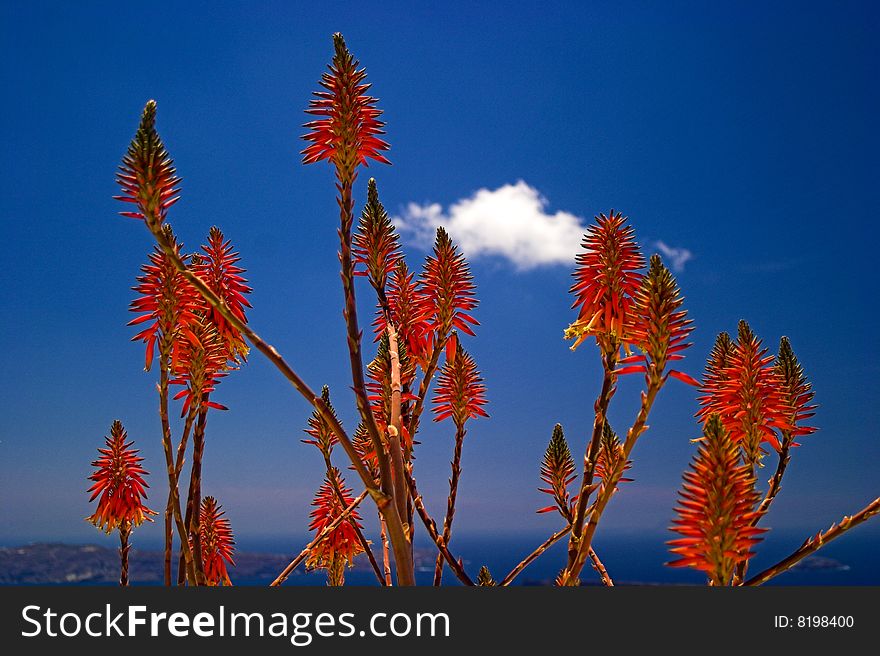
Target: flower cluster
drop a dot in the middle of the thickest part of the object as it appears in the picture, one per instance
(218, 543)
(607, 279)
(342, 544)
(119, 482)
(716, 511)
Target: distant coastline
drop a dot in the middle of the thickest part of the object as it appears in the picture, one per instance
(57, 563)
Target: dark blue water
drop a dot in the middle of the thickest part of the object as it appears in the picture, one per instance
(851, 560)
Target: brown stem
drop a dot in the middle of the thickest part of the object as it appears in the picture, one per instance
(124, 546)
(397, 533)
(386, 562)
(395, 526)
(816, 542)
(164, 364)
(395, 430)
(193, 499)
(600, 568)
(169, 510)
(365, 545)
(570, 576)
(775, 483)
(460, 432)
(336, 571)
(528, 560)
(431, 527)
(169, 542)
(317, 539)
(195, 502)
(609, 384)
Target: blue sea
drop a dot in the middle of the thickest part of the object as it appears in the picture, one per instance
(851, 560)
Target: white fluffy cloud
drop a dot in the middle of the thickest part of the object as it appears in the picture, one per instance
(676, 258)
(511, 222)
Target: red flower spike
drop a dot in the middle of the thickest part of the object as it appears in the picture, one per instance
(119, 482)
(347, 132)
(797, 392)
(218, 267)
(746, 395)
(607, 280)
(659, 326)
(322, 436)
(376, 245)
(448, 286)
(460, 391)
(363, 444)
(147, 175)
(342, 542)
(557, 472)
(202, 360)
(166, 300)
(410, 311)
(611, 460)
(218, 543)
(715, 373)
(716, 508)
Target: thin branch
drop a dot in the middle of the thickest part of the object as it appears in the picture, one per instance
(549, 542)
(431, 527)
(655, 383)
(386, 561)
(600, 568)
(124, 547)
(775, 483)
(816, 542)
(395, 430)
(317, 539)
(609, 386)
(169, 507)
(164, 363)
(460, 432)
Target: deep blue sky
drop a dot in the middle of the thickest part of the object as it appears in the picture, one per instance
(741, 131)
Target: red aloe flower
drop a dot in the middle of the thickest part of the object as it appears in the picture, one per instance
(201, 362)
(376, 244)
(797, 392)
(342, 544)
(717, 365)
(147, 175)
(168, 301)
(746, 395)
(660, 327)
(716, 510)
(460, 391)
(607, 280)
(347, 134)
(363, 444)
(321, 435)
(218, 267)
(410, 311)
(448, 285)
(611, 460)
(218, 543)
(557, 472)
(119, 481)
